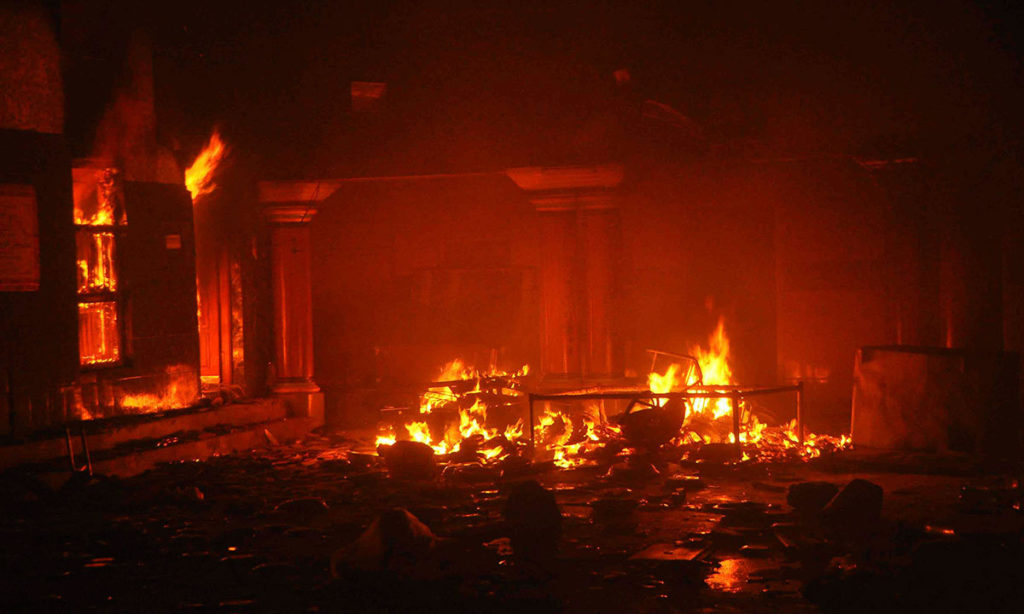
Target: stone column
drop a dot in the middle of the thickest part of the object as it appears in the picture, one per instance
(559, 287)
(970, 283)
(600, 242)
(293, 308)
(578, 228)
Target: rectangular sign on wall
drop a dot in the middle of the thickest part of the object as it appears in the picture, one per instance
(19, 239)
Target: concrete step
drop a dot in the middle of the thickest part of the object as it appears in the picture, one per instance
(104, 435)
(129, 462)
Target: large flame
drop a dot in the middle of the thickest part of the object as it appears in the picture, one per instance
(706, 417)
(199, 176)
(714, 365)
(715, 370)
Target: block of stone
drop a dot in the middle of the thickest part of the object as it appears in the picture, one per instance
(937, 400)
(858, 505)
(534, 521)
(409, 460)
(810, 497)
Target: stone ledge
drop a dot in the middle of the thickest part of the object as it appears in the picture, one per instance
(148, 427)
(252, 437)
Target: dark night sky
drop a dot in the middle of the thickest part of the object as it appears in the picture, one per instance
(475, 85)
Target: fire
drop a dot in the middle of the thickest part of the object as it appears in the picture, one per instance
(472, 412)
(515, 431)
(450, 372)
(714, 370)
(96, 272)
(199, 176)
(714, 366)
(386, 437)
(99, 339)
(707, 417)
(181, 390)
(469, 425)
(570, 441)
(97, 197)
(455, 370)
(662, 383)
(420, 432)
(557, 430)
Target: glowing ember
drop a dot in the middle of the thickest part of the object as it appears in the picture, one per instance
(386, 437)
(199, 176)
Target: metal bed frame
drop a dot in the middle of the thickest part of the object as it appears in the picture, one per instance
(645, 397)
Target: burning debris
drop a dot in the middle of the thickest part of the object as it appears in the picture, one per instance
(452, 415)
(692, 410)
(708, 416)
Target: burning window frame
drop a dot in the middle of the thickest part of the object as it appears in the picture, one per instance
(100, 223)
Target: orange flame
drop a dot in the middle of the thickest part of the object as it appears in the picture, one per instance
(420, 432)
(566, 442)
(181, 391)
(97, 197)
(96, 271)
(472, 419)
(716, 370)
(662, 383)
(199, 176)
(714, 365)
(99, 340)
(450, 372)
(386, 436)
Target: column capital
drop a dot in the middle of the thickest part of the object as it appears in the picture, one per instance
(282, 386)
(569, 188)
(289, 213)
(296, 191)
(571, 178)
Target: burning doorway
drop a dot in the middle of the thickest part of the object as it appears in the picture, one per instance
(218, 276)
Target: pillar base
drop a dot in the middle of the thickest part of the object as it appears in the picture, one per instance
(303, 398)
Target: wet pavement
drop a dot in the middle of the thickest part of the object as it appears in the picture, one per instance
(259, 531)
